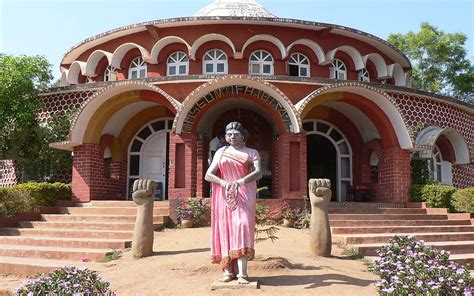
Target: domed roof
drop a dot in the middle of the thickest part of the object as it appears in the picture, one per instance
(240, 8)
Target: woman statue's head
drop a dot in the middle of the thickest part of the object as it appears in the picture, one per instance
(235, 133)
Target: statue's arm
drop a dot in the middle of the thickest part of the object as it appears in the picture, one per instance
(211, 171)
(253, 176)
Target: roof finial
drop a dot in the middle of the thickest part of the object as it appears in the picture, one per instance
(235, 8)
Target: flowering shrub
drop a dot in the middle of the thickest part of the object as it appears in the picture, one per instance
(408, 267)
(67, 280)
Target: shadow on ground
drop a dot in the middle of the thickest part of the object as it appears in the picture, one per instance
(313, 281)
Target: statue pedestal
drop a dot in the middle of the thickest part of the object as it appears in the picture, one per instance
(216, 285)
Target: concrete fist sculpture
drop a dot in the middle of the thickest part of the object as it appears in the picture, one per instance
(320, 231)
(144, 196)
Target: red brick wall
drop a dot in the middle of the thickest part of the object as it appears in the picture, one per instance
(88, 180)
(182, 164)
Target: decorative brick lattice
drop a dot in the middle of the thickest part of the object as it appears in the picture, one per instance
(7, 173)
(422, 112)
(62, 102)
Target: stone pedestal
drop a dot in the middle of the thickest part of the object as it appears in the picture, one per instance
(217, 285)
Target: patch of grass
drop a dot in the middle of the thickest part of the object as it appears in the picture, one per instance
(110, 256)
(351, 253)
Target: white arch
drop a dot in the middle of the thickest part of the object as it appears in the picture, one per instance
(428, 137)
(318, 51)
(163, 42)
(378, 97)
(94, 60)
(64, 75)
(120, 52)
(206, 38)
(269, 38)
(77, 68)
(351, 51)
(254, 82)
(379, 63)
(396, 71)
(80, 121)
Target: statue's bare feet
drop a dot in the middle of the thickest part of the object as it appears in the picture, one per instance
(243, 280)
(226, 278)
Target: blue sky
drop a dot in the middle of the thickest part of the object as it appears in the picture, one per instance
(51, 27)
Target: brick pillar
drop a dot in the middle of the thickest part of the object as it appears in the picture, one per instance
(291, 170)
(86, 164)
(202, 146)
(182, 166)
(395, 175)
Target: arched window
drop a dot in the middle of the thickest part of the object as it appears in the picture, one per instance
(214, 62)
(363, 75)
(137, 69)
(110, 74)
(261, 63)
(338, 70)
(436, 164)
(298, 65)
(178, 64)
(107, 162)
(374, 167)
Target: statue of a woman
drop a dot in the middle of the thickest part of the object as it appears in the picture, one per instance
(233, 174)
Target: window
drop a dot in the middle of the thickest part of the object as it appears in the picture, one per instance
(110, 74)
(337, 70)
(298, 65)
(137, 69)
(363, 75)
(261, 63)
(214, 62)
(178, 64)
(436, 164)
(89, 79)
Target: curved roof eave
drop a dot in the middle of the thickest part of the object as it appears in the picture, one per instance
(396, 55)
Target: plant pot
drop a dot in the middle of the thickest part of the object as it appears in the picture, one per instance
(187, 223)
(287, 223)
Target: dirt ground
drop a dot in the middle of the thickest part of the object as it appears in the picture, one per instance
(181, 266)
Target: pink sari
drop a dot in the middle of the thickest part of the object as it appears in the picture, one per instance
(233, 230)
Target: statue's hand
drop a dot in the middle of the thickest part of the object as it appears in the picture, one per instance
(319, 191)
(143, 191)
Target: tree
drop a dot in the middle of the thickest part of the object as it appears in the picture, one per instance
(22, 137)
(439, 61)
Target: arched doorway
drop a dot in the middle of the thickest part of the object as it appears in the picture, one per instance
(261, 138)
(329, 155)
(148, 156)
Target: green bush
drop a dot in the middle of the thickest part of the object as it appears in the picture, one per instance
(435, 195)
(463, 200)
(28, 197)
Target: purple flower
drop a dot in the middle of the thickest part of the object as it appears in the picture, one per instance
(441, 279)
(419, 283)
(459, 271)
(467, 291)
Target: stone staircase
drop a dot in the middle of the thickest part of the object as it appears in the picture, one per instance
(75, 233)
(366, 229)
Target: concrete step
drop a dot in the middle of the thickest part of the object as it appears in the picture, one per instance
(455, 247)
(109, 210)
(98, 218)
(464, 259)
(71, 233)
(64, 242)
(120, 203)
(82, 225)
(359, 223)
(376, 211)
(76, 254)
(333, 217)
(370, 238)
(401, 229)
(28, 266)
